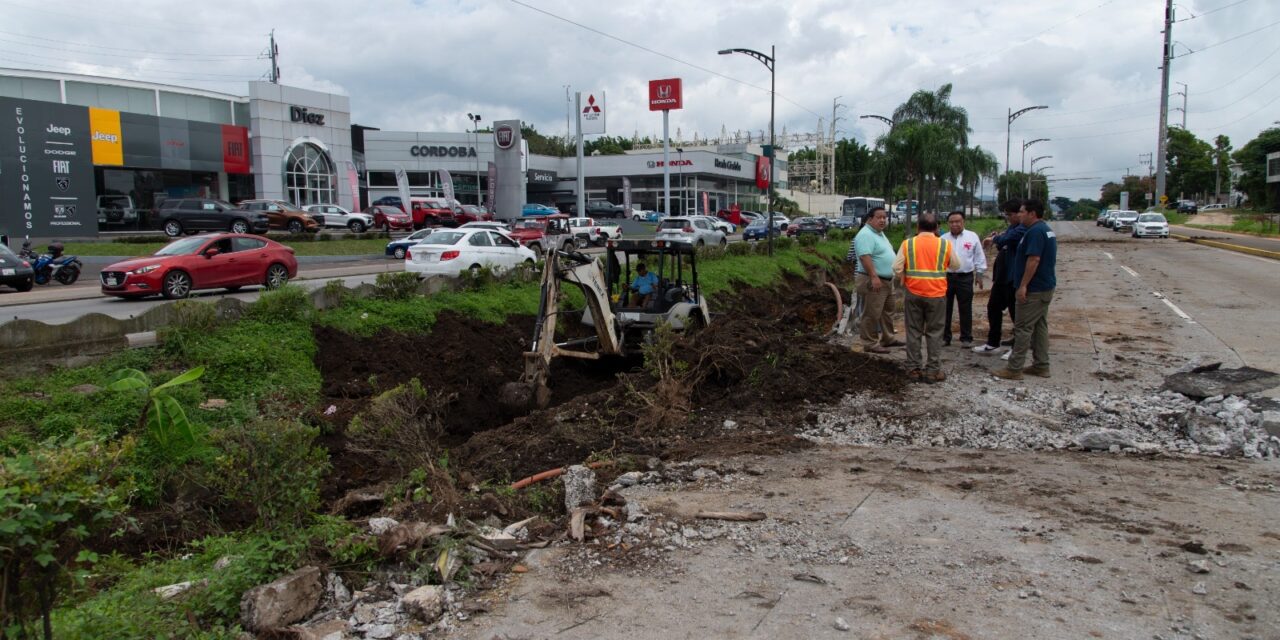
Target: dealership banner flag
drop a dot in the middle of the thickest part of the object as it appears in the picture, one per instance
(493, 186)
(402, 181)
(626, 194)
(353, 179)
(446, 184)
(706, 203)
(764, 172)
(593, 112)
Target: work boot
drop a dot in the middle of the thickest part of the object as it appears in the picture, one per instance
(896, 343)
(1039, 372)
(1007, 373)
(936, 376)
(876, 349)
(915, 375)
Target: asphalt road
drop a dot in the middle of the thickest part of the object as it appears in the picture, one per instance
(1254, 242)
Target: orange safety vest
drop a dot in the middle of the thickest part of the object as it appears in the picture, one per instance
(928, 257)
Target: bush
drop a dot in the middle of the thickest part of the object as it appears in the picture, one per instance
(269, 468)
(807, 239)
(783, 243)
(398, 285)
(191, 314)
(51, 502)
(401, 427)
(710, 252)
(138, 239)
(289, 303)
(481, 278)
(740, 249)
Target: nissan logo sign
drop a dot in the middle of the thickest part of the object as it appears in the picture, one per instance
(440, 151)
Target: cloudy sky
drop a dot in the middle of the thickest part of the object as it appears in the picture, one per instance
(422, 65)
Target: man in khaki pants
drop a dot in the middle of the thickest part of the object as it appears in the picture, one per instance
(874, 282)
(1034, 274)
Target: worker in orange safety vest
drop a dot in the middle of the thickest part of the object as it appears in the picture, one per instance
(921, 266)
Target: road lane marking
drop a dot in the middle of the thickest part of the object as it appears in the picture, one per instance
(1181, 314)
(1131, 272)
(1108, 255)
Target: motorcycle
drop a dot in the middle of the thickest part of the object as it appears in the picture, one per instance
(53, 265)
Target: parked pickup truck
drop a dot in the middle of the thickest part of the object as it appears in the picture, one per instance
(116, 209)
(594, 231)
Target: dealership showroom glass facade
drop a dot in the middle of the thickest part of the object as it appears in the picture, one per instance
(82, 154)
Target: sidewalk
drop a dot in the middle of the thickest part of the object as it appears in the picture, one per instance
(89, 290)
(1238, 242)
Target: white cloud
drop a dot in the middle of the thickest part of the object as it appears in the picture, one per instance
(424, 65)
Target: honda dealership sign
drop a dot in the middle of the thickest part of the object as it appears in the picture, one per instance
(46, 170)
(665, 95)
(592, 113)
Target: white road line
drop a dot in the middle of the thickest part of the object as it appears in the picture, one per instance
(1109, 256)
(1131, 272)
(1181, 314)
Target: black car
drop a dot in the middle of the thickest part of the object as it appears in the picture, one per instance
(815, 226)
(1187, 206)
(191, 215)
(14, 271)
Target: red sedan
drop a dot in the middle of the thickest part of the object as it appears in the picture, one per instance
(389, 218)
(219, 261)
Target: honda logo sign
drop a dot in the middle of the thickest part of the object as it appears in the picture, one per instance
(665, 95)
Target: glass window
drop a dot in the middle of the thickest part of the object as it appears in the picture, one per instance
(309, 177)
(443, 237)
(31, 89)
(480, 239)
(182, 247)
(248, 244)
(500, 240)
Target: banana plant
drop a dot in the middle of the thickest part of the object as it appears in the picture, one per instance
(163, 418)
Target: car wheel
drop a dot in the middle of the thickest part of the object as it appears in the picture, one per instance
(239, 226)
(277, 276)
(234, 289)
(386, 227)
(295, 226)
(536, 248)
(475, 270)
(177, 285)
(700, 244)
(173, 228)
(399, 253)
(528, 262)
(25, 285)
(356, 226)
(723, 242)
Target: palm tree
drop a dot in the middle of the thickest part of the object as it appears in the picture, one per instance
(937, 148)
(922, 149)
(976, 163)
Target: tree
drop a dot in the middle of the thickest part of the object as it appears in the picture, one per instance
(1221, 160)
(1190, 164)
(976, 164)
(1013, 185)
(1138, 188)
(926, 143)
(1253, 160)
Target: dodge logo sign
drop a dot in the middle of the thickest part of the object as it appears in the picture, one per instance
(504, 136)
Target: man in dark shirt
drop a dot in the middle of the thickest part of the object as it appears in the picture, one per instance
(1034, 272)
(1002, 288)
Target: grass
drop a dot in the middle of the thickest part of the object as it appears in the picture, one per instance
(417, 315)
(349, 247)
(1251, 224)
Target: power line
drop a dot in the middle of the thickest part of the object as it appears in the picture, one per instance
(659, 53)
(1228, 6)
(132, 56)
(77, 61)
(98, 46)
(1222, 42)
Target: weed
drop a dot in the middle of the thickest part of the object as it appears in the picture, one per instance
(270, 468)
(399, 285)
(289, 303)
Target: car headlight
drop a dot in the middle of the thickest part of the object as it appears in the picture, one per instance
(147, 269)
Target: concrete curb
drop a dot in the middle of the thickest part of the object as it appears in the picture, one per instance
(1261, 253)
(106, 260)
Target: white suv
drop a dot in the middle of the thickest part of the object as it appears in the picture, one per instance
(693, 230)
(339, 217)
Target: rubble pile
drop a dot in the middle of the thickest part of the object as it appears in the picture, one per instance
(1022, 418)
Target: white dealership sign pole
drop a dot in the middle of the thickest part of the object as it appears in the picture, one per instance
(665, 95)
(590, 120)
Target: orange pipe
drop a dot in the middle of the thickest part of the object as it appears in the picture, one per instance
(552, 473)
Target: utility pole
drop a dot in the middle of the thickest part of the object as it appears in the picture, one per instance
(1165, 59)
(835, 106)
(568, 113)
(275, 59)
(1183, 108)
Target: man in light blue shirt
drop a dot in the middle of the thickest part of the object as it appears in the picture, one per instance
(643, 286)
(874, 282)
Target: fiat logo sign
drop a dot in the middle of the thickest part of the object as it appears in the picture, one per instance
(504, 136)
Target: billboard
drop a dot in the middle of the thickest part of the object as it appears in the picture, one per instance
(665, 95)
(592, 113)
(46, 170)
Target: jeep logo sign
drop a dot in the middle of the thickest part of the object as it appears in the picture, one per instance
(300, 114)
(433, 151)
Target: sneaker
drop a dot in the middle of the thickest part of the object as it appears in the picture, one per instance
(1007, 373)
(966, 341)
(985, 349)
(1039, 372)
(1006, 355)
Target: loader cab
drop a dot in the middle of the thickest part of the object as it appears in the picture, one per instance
(677, 299)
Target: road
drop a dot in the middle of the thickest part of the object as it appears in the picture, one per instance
(1253, 242)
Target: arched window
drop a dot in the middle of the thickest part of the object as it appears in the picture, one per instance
(309, 176)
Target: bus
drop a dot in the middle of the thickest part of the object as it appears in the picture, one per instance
(859, 206)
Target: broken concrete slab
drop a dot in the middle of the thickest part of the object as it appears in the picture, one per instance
(283, 602)
(424, 603)
(1200, 384)
(579, 486)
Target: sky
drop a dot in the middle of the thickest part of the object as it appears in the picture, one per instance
(423, 65)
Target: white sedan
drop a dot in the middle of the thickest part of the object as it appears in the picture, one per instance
(448, 252)
(336, 217)
(1151, 225)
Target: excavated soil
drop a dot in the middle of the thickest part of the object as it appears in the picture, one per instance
(763, 358)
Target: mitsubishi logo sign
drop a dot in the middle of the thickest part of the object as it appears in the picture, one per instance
(592, 115)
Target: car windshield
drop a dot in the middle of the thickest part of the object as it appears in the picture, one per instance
(182, 247)
(1151, 217)
(531, 224)
(443, 237)
(6, 252)
(672, 224)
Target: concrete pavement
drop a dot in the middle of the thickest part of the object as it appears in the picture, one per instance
(1243, 243)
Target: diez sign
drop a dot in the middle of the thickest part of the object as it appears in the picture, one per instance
(504, 136)
(732, 165)
(300, 114)
(665, 95)
(430, 151)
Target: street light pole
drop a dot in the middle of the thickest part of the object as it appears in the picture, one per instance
(1008, 140)
(769, 62)
(1026, 144)
(475, 128)
(684, 204)
(1033, 170)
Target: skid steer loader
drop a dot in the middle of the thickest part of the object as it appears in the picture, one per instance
(623, 321)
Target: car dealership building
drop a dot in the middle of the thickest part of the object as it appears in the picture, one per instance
(70, 142)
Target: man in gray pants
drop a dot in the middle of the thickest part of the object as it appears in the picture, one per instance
(1034, 274)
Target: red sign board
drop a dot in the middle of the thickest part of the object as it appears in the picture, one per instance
(235, 149)
(764, 172)
(665, 95)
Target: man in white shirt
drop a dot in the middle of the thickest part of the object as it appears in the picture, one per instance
(970, 264)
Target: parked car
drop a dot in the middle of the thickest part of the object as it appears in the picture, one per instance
(472, 213)
(14, 271)
(451, 251)
(693, 230)
(1102, 218)
(1214, 207)
(780, 221)
(1151, 225)
(749, 217)
(336, 217)
(192, 215)
(490, 225)
(1123, 220)
(434, 212)
(389, 218)
(719, 223)
(1187, 206)
(117, 209)
(640, 215)
(222, 261)
(546, 231)
(757, 231)
(398, 248)
(808, 225)
(594, 231)
(847, 222)
(532, 209)
(602, 209)
(285, 216)
(388, 201)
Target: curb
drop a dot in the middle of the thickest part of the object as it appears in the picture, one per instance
(1261, 253)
